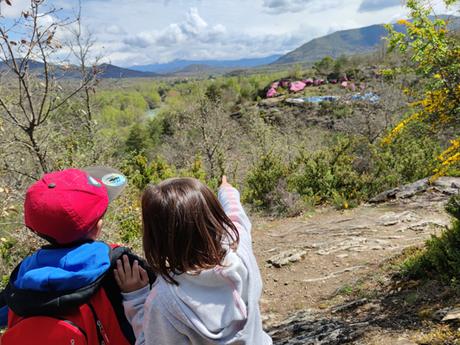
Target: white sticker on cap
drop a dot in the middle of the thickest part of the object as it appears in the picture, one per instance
(114, 180)
(92, 181)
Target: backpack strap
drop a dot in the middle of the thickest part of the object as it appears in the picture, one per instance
(101, 334)
(3, 311)
(113, 291)
(2, 299)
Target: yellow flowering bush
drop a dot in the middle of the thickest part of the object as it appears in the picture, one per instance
(434, 55)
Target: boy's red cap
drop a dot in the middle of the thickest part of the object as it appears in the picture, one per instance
(65, 206)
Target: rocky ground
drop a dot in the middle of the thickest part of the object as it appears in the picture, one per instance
(325, 279)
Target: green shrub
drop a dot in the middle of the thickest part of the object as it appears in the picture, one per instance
(453, 206)
(141, 172)
(347, 172)
(137, 140)
(328, 175)
(196, 170)
(6, 247)
(129, 223)
(262, 180)
(441, 256)
(335, 110)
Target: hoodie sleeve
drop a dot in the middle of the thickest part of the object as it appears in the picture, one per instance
(133, 304)
(153, 328)
(229, 197)
(161, 331)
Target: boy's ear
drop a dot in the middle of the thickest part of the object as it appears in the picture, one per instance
(96, 232)
(99, 224)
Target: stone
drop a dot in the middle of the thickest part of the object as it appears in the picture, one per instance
(350, 305)
(305, 328)
(452, 315)
(389, 219)
(440, 314)
(422, 226)
(444, 185)
(447, 182)
(287, 257)
(392, 218)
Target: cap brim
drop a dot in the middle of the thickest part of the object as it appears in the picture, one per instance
(112, 179)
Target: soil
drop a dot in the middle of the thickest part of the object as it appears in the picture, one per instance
(338, 256)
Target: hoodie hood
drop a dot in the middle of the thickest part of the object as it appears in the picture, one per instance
(63, 269)
(214, 302)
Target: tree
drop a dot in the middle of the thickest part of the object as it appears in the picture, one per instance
(433, 54)
(33, 96)
(138, 139)
(324, 66)
(204, 129)
(81, 44)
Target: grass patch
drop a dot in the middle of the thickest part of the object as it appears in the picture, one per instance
(440, 335)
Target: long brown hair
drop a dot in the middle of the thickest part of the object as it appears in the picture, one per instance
(185, 228)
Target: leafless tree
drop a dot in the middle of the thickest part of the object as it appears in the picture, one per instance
(35, 87)
(81, 45)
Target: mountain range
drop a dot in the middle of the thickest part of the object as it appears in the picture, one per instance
(348, 42)
(178, 65)
(345, 42)
(71, 72)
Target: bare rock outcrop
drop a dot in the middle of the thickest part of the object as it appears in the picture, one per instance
(305, 328)
(444, 185)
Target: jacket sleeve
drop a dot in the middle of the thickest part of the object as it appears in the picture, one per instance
(3, 311)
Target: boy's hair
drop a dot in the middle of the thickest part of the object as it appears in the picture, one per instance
(185, 228)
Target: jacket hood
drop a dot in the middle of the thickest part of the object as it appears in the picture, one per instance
(63, 269)
(53, 279)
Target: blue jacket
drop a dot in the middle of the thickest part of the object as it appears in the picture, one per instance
(58, 271)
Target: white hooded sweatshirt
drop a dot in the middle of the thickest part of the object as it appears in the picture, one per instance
(216, 306)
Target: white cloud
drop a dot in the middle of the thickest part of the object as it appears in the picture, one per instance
(14, 11)
(193, 28)
(115, 30)
(377, 5)
(130, 32)
(283, 6)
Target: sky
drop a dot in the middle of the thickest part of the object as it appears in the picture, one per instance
(137, 32)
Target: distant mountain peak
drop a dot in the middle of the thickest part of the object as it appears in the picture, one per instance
(346, 42)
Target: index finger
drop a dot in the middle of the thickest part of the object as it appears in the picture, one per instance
(224, 179)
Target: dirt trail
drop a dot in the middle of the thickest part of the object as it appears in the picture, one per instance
(333, 249)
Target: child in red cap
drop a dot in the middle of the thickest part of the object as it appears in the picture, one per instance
(65, 293)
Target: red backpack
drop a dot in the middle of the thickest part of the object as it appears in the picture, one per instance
(97, 320)
(89, 324)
